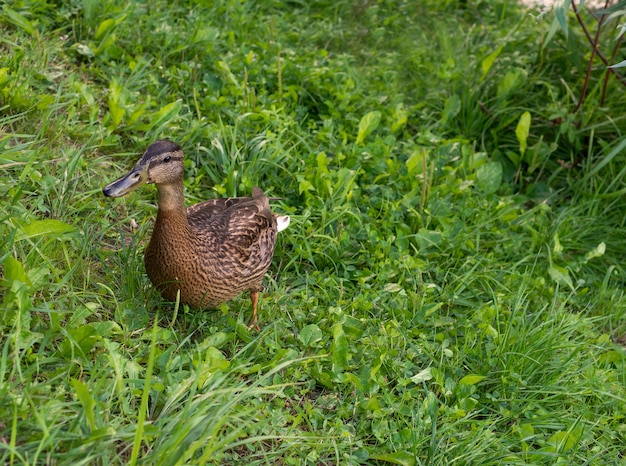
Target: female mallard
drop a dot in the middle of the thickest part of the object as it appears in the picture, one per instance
(211, 251)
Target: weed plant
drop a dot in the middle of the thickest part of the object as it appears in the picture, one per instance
(450, 291)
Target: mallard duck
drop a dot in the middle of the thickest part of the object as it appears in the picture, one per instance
(211, 251)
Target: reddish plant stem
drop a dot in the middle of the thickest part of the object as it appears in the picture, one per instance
(610, 71)
(598, 52)
(594, 50)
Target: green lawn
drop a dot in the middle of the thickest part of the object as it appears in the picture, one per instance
(451, 289)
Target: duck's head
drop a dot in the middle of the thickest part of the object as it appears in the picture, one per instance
(161, 163)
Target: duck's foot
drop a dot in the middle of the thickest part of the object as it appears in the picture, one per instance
(254, 297)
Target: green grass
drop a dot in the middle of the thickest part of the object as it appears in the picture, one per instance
(441, 296)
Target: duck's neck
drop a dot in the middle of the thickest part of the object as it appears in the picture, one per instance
(171, 221)
(171, 231)
(171, 198)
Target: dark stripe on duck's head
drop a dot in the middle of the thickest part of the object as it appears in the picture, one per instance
(164, 160)
(160, 147)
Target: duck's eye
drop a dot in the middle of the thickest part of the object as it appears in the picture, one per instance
(167, 158)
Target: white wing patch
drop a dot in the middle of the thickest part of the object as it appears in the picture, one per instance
(282, 222)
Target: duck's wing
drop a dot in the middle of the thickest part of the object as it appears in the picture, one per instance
(206, 209)
(240, 221)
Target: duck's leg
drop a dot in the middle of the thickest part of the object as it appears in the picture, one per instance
(254, 297)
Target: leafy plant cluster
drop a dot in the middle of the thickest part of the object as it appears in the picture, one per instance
(451, 286)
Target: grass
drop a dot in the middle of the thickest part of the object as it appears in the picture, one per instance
(448, 290)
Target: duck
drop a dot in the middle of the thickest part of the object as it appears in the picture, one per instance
(209, 252)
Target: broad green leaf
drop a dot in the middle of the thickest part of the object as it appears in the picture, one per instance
(79, 316)
(598, 251)
(393, 287)
(136, 114)
(514, 157)
(489, 177)
(20, 21)
(81, 339)
(432, 308)
(488, 61)
(166, 114)
(414, 163)
(451, 108)
(13, 270)
(522, 130)
(428, 239)
(38, 277)
(422, 376)
(216, 360)
(322, 162)
(466, 403)
(84, 397)
(83, 50)
(477, 159)
(339, 349)
(304, 184)
(107, 24)
(551, 32)
(613, 356)
(560, 275)
(512, 80)
(373, 404)
(324, 378)
(537, 154)
(353, 326)
(48, 227)
(563, 441)
(561, 15)
(399, 457)
(85, 92)
(217, 340)
(400, 116)
(103, 27)
(471, 379)
(622, 30)
(619, 65)
(117, 102)
(526, 430)
(205, 34)
(368, 124)
(558, 248)
(489, 330)
(86, 337)
(5, 77)
(101, 433)
(282, 356)
(107, 45)
(107, 328)
(45, 101)
(310, 334)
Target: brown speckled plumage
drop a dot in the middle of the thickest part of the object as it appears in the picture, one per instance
(211, 251)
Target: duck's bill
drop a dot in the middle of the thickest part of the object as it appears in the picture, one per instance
(135, 178)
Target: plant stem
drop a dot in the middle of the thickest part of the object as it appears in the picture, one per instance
(594, 50)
